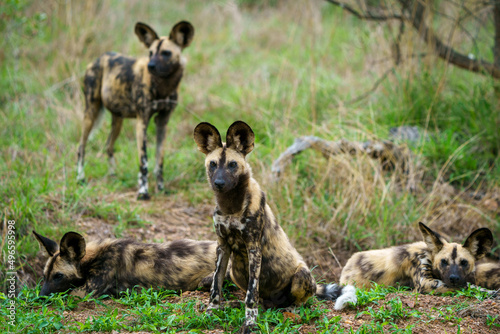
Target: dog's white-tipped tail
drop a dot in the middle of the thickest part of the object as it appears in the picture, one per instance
(340, 294)
(348, 296)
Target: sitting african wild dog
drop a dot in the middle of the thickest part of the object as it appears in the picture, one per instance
(263, 261)
(111, 266)
(136, 88)
(432, 264)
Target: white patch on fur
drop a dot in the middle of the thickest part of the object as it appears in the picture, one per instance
(143, 188)
(251, 316)
(80, 172)
(252, 288)
(348, 295)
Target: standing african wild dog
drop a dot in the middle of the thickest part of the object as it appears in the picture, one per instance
(114, 265)
(263, 261)
(432, 264)
(136, 88)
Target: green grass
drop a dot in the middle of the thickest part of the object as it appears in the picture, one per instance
(166, 311)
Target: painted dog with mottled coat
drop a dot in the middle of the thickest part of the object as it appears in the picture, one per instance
(110, 266)
(136, 88)
(432, 264)
(263, 261)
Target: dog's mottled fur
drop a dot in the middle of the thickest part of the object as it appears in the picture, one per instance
(263, 261)
(111, 266)
(487, 275)
(432, 264)
(136, 88)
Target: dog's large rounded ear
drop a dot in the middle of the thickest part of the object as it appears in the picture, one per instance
(182, 34)
(240, 137)
(49, 245)
(431, 238)
(479, 242)
(146, 34)
(207, 137)
(72, 246)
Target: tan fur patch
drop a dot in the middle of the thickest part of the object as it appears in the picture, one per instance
(431, 265)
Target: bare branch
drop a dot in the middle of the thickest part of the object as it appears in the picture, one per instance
(414, 12)
(390, 155)
(368, 16)
(446, 52)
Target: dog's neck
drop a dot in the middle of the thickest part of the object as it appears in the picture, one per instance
(235, 200)
(162, 87)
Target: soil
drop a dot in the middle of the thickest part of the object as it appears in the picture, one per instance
(172, 219)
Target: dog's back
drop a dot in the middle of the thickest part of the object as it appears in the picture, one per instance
(109, 83)
(117, 265)
(388, 266)
(113, 265)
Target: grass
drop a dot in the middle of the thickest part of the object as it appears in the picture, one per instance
(166, 311)
(288, 71)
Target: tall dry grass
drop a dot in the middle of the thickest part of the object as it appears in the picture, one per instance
(289, 69)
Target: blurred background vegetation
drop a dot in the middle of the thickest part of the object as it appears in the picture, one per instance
(289, 69)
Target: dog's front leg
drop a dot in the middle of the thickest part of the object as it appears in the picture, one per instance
(140, 131)
(223, 254)
(424, 281)
(161, 131)
(251, 300)
(116, 126)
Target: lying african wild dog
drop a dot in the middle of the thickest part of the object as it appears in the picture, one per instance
(136, 88)
(432, 264)
(263, 261)
(111, 266)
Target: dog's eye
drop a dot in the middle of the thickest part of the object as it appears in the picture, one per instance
(58, 276)
(213, 164)
(464, 263)
(444, 263)
(232, 164)
(166, 53)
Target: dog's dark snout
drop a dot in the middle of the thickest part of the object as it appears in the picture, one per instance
(219, 183)
(151, 65)
(454, 279)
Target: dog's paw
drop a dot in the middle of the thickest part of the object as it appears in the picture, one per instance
(143, 197)
(250, 328)
(160, 186)
(211, 308)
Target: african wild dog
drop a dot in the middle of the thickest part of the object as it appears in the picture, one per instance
(263, 261)
(432, 264)
(136, 88)
(113, 265)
